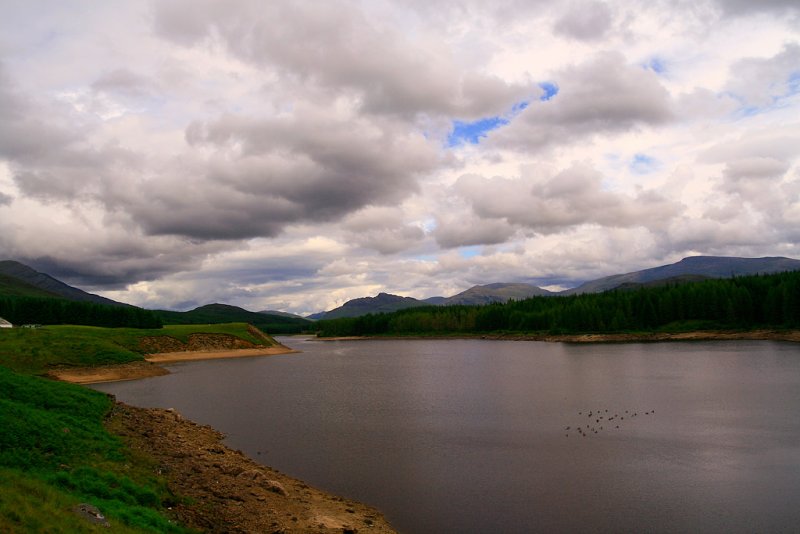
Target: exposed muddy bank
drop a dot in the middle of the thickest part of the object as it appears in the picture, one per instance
(225, 491)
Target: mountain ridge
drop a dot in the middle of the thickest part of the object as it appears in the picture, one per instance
(709, 266)
(691, 268)
(17, 279)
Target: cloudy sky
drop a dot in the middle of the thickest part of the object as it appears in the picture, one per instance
(294, 155)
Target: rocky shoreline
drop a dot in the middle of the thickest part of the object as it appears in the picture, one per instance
(222, 490)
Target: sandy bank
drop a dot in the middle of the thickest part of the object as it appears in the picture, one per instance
(108, 373)
(188, 356)
(149, 367)
(224, 490)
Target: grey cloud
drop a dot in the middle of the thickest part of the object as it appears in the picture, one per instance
(119, 256)
(468, 230)
(263, 174)
(335, 45)
(762, 81)
(125, 82)
(49, 154)
(571, 198)
(748, 7)
(602, 95)
(29, 132)
(585, 21)
(779, 143)
(382, 229)
(755, 168)
(5, 200)
(240, 178)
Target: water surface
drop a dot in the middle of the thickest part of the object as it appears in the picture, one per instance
(471, 435)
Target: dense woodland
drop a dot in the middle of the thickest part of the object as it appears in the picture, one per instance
(734, 303)
(48, 311)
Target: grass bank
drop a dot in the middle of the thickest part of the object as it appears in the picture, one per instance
(36, 351)
(55, 454)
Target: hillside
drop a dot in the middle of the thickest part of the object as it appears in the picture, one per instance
(742, 303)
(500, 292)
(44, 282)
(224, 313)
(381, 303)
(707, 266)
(14, 287)
(37, 351)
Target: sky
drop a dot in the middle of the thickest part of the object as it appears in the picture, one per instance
(292, 155)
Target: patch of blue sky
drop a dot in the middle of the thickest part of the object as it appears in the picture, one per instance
(473, 132)
(778, 99)
(793, 84)
(550, 90)
(469, 252)
(657, 65)
(643, 164)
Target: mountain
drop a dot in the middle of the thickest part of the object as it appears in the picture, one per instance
(707, 266)
(225, 313)
(14, 287)
(496, 293)
(281, 313)
(382, 303)
(387, 303)
(49, 286)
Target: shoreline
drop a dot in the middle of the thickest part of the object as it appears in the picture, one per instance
(698, 335)
(195, 355)
(223, 490)
(149, 367)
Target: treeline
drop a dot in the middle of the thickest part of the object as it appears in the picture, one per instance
(48, 311)
(734, 303)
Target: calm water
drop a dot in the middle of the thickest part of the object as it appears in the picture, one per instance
(470, 435)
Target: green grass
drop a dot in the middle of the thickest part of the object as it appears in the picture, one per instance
(34, 351)
(55, 453)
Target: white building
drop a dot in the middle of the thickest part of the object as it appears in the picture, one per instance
(4, 323)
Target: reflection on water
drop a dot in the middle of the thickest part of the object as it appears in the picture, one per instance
(471, 435)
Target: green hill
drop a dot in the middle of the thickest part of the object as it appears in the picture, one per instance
(37, 350)
(50, 285)
(224, 313)
(14, 287)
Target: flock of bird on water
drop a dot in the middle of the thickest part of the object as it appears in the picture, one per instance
(602, 419)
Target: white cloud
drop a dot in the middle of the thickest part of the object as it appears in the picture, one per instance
(293, 154)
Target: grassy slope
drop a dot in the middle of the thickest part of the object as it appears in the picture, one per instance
(12, 287)
(55, 453)
(35, 350)
(54, 450)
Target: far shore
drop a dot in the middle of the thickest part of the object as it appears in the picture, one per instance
(701, 335)
(150, 366)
